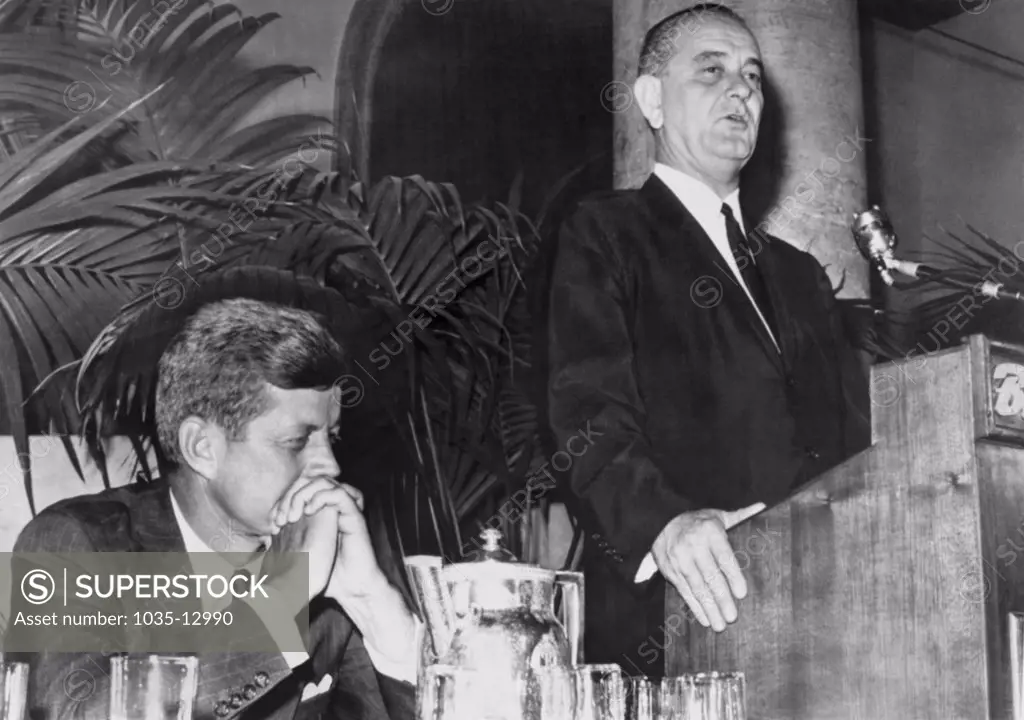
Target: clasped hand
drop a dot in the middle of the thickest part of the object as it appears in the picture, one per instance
(693, 553)
(324, 518)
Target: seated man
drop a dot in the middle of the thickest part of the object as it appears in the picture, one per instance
(245, 412)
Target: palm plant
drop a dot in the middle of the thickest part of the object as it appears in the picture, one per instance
(949, 314)
(97, 191)
(106, 203)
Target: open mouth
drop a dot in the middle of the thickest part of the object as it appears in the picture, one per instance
(737, 118)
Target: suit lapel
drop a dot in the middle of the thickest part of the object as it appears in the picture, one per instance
(676, 221)
(153, 523)
(155, 529)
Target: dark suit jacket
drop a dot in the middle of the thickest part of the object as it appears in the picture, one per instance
(655, 346)
(140, 518)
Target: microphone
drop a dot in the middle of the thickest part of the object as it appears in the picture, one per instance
(876, 240)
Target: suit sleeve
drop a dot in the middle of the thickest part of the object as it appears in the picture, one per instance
(853, 374)
(618, 484)
(361, 692)
(77, 684)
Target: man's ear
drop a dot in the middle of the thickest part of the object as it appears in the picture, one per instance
(202, 445)
(647, 91)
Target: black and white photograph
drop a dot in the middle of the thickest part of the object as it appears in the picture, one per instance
(511, 360)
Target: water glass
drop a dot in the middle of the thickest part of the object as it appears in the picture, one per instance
(704, 696)
(675, 698)
(643, 701)
(551, 694)
(600, 693)
(435, 693)
(15, 690)
(449, 693)
(1015, 624)
(152, 687)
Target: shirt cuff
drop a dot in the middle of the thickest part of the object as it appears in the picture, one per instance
(646, 570)
(404, 669)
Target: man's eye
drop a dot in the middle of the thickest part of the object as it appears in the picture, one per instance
(298, 443)
(712, 70)
(754, 78)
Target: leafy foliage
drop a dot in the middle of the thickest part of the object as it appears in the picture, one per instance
(131, 192)
(950, 314)
(100, 194)
(948, 304)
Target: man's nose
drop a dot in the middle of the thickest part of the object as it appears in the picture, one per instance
(323, 462)
(739, 87)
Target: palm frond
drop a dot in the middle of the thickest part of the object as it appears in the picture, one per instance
(143, 176)
(947, 314)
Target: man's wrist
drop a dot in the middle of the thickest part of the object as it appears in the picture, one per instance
(389, 629)
(348, 593)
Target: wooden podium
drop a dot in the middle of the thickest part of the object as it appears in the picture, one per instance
(880, 590)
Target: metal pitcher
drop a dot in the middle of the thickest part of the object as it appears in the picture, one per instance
(497, 619)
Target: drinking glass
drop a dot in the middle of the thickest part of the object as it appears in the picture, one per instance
(713, 696)
(449, 693)
(551, 694)
(643, 700)
(675, 699)
(152, 687)
(600, 692)
(435, 694)
(15, 690)
(1015, 622)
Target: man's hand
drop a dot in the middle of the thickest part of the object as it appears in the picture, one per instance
(355, 568)
(316, 535)
(356, 582)
(693, 553)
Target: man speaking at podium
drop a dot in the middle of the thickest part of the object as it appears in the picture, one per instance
(708, 358)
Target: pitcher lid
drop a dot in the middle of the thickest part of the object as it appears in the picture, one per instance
(496, 570)
(491, 559)
(491, 548)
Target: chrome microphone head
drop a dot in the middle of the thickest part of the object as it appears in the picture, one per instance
(873, 233)
(875, 239)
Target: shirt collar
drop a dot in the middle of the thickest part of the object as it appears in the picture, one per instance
(700, 200)
(194, 543)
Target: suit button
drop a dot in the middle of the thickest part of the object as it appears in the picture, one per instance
(236, 701)
(262, 679)
(249, 691)
(812, 453)
(790, 382)
(222, 709)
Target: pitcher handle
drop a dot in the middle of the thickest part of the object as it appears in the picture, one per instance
(570, 612)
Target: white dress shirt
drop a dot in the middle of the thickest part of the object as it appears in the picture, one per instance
(706, 207)
(399, 670)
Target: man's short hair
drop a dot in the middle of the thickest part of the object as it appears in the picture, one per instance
(660, 43)
(217, 365)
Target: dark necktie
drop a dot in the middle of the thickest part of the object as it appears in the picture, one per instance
(747, 264)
